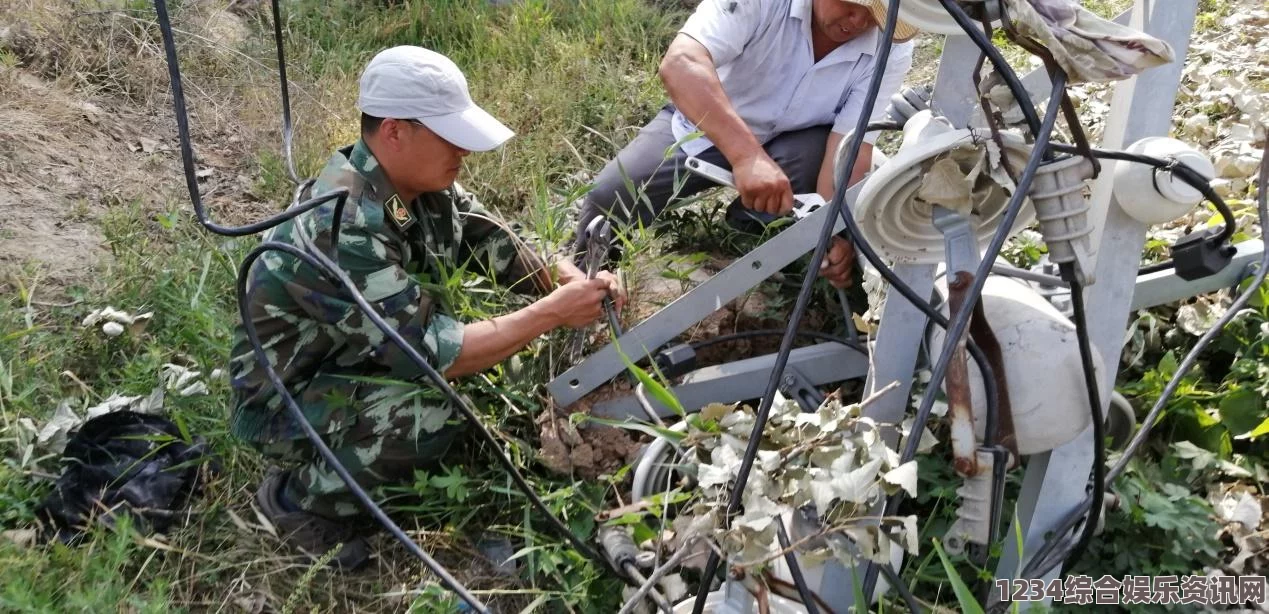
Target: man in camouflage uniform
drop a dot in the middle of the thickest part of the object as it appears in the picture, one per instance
(405, 225)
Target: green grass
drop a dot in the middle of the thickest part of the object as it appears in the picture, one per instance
(571, 78)
(574, 79)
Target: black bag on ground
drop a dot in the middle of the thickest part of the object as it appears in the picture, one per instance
(125, 463)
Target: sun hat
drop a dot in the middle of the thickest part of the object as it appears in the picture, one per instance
(903, 31)
(409, 82)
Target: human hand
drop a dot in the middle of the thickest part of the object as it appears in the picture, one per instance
(615, 289)
(762, 185)
(577, 304)
(566, 272)
(838, 262)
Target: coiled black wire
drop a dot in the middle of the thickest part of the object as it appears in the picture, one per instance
(1185, 172)
(326, 266)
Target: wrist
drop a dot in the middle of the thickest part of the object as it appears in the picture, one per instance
(543, 314)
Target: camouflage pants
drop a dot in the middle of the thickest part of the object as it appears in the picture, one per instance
(398, 429)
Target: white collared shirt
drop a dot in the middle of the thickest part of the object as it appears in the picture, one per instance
(764, 58)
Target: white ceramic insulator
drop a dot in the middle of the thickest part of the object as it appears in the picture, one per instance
(1155, 196)
(1042, 366)
(894, 221)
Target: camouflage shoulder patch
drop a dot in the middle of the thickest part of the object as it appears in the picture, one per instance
(398, 212)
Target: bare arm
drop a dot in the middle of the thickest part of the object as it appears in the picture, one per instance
(688, 72)
(490, 342)
(840, 258)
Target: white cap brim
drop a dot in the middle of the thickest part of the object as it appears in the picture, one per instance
(472, 129)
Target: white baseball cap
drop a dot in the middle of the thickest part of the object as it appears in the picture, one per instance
(410, 82)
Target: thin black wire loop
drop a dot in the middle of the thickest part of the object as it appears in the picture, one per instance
(1191, 176)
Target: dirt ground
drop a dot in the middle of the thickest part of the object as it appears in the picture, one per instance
(67, 157)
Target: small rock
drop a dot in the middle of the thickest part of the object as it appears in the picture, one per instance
(112, 329)
(22, 538)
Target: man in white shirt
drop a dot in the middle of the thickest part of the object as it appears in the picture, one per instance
(774, 85)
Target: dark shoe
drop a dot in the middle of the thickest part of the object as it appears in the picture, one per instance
(311, 534)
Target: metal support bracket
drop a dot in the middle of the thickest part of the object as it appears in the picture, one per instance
(737, 278)
(820, 364)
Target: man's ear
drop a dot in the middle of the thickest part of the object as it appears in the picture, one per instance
(390, 133)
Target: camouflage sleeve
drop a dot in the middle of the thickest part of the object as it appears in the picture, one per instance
(498, 248)
(373, 262)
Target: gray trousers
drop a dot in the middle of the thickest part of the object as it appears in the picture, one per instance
(659, 181)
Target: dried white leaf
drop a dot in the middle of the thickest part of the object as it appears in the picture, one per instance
(152, 404)
(193, 389)
(712, 475)
(945, 184)
(768, 460)
(911, 535)
(673, 588)
(22, 538)
(713, 411)
(1244, 509)
(904, 476)
(176, 377)
(759, 514)
(858, 485)
(56, 431)
(1197, 318)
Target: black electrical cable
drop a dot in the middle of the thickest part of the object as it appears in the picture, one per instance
(961, 321)
(1045, 559)
(905, 593)
(1003, 68)
(795, 570)
(331, 269)
(799, 308)
(1095, 410)
(288, 132)
(1183, 171)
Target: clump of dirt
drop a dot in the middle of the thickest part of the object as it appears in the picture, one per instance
(589, 450)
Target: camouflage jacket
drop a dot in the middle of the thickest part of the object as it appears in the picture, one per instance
(314, 334)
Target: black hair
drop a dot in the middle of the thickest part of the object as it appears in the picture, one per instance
(370, 124)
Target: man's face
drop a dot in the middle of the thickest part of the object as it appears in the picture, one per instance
(426, 162)
(841, 21)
